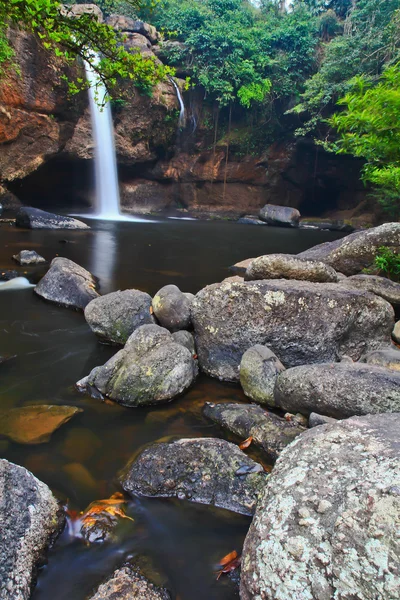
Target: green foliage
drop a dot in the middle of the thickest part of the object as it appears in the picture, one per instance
(68, 38)
(388, 262)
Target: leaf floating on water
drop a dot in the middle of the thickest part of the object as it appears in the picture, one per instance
(246, 443)
(228, 558)
(231, 565)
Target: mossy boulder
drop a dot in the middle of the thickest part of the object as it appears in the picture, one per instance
(259, 369)
(172, 308)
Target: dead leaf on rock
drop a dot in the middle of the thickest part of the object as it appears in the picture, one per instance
(246, 443)
(229, 563)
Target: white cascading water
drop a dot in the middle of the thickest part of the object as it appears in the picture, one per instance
(182, 114)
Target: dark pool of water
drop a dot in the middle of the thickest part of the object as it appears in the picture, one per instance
(54, 347)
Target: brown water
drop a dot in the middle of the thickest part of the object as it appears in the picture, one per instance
(54, 348)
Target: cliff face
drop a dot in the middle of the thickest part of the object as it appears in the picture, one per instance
(46, 148)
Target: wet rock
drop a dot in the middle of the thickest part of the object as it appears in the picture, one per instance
(381, 286)
(150, 369)
(185, 338)
(338, 390)
(172, 308)
(355, 252)
(326, 224)
(396, 332)
(280, 215)
(30, 519)
(233, 279)
(8, 274)
(259, 369)
(241, 267)
(269, 432)
(34, 424)
(114, 317)
(203, 470)
(286, 266)
(301, 322)
(325, 526)
(67, 284)
(386, 357)
(101, 519)
(29, 257)
(34, 218)
(128, 583)
(250, 220)
(316, 419)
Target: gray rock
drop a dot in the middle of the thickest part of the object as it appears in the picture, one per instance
(28, 257)
(396, 332)
(150, 369)
(386, 357)
(326, 525)
(34, 218)
(286, 266)
(77, 10)
(301, 322)
(128, 583)
(126, 24)
(67, 284)
(381, 286)
(241, 267)
(185, 338)
(30, 519)
(316, 419)
(259, 369)
(338, 390)
(326, 224)
(355, 252)
(203, 470)
(269, 432)
(172, 308)
(280, 215)
(251, 220)
(114, 317)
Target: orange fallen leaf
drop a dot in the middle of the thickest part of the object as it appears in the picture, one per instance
(195, 356)
(246, 443)
(228, 558)
(151, 310)
(230, 566)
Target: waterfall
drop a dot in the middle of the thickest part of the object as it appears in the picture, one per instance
(182, 114)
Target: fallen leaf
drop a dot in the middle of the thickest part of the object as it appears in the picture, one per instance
(230, 566)
(228, 558)
(151, 310)
(246, 443)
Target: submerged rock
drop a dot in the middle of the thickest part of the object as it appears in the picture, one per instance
(101, 518)
(280, 215)
(338, 390)
(286, 266)
(251, 220)
(259, 369)
(386, 357)
(204, 470)
(150, 369)
(301, 322)
(355, 252)
(114, 317)
(381, 286)
(35, 424)
(326, 524)
(29, 257)
(172, 308)
(128, 583)
(67, 284)
(30, 519)
(269, 432)
(34, 218)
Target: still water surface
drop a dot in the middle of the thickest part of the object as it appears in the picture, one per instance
(53, 348)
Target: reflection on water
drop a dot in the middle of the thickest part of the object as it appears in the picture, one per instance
(54, 348)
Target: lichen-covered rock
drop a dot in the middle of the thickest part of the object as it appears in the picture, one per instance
(128, 583)
(185, 338)
(381, 286)
(269, 432)
(30, 519)
(326, 525)
(286, 266)
(355, 252)
(259, 369)
(150, 369)
(28, 257)
(302, 322)
(241, 267)
(386, 357)
(114, 317)
(34, 218)
(396, 332)
(67, 284)
(203, 470)
(172, 308)
(280, 215)
(338, 390)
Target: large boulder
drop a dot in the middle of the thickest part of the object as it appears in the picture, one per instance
(280, 215)
(286, 266)
(269, 432)
(327, 523)
(129, 25)
(77, 10)
(338, 390)
(150, 369)
(114, 317)
(34, 218)
(172, 308)
(128, 583)
(301, 322)
(203, 470)
(381, 286)
(259, 369)
(67, 284)
(352, 254)
(30, 519)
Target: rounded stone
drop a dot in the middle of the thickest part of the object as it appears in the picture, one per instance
(172, 308)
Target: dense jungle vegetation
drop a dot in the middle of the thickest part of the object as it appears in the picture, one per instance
(327, 69)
